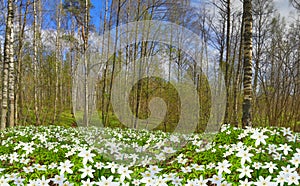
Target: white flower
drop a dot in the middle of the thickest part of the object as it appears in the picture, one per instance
(259, 137)
(272, 148)
(198, 167)
(174, 139)
(292, 138)
(107, 181)
(67, 183)
(186, 169)
(99, 165)
(28, 148)
(87, 183)
(58, 179)
(4, 181)
(288, 170)
(124, 172)
(19, 181)
(271, 166)
(147, 174)
(201, 181)
(12, 176)
(24, 161)
(13, 157)
(112, 166)
(245, 171)
(227, 153)
(293, 178)
(52, 165)
(176, 181)
(257, 165)
(69, 153)
(136, 182)
(241, 136)
(65, 167)
(210, 165)
(223, 167)
(225, 183)
(217, 179)
(86, 155)
(286, 131)
(285, 147)
(43, 181)
(154, 169)
(265, 181)
(134, 157)
(281, 178)
(148, 181)
(28, 169)
(161, 181)
(245, 182)
(169, 150)
(298, 152)
(160, 156)
(295, 161)
(87, 171)
(40, 167)
(182, 160)
(245, 155)
(277, 156)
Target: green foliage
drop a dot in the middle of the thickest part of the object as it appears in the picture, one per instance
(77, 8)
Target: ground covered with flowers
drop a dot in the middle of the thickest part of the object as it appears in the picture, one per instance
(55, 155)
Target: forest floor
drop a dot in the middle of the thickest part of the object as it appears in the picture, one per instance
(57, 155)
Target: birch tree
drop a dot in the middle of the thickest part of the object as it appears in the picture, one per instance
(8, 80)
(19, 75)
(36, 32)
(57, 56)
(247, 80)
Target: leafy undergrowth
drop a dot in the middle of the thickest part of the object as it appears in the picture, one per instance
(56, 155)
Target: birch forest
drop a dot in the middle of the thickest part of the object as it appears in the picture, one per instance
(150, 92)
(43, 42)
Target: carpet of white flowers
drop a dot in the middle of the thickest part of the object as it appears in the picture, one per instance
(55, 155)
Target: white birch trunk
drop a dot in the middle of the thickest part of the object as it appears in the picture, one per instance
(85, 30)
(8, 71)
(35, 60)
(57, 57)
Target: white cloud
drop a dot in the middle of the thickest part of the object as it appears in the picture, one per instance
(283, 6)
(285, 9)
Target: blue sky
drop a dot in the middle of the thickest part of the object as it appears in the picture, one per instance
(283, 7)
(95, 12)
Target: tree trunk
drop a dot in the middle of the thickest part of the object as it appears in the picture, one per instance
(227, 78)
(57, 58)
(8, 92)
(247, 80)
(103, 114)
(85, 35)
(19, 75)
(73, 63)
(35, 60)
